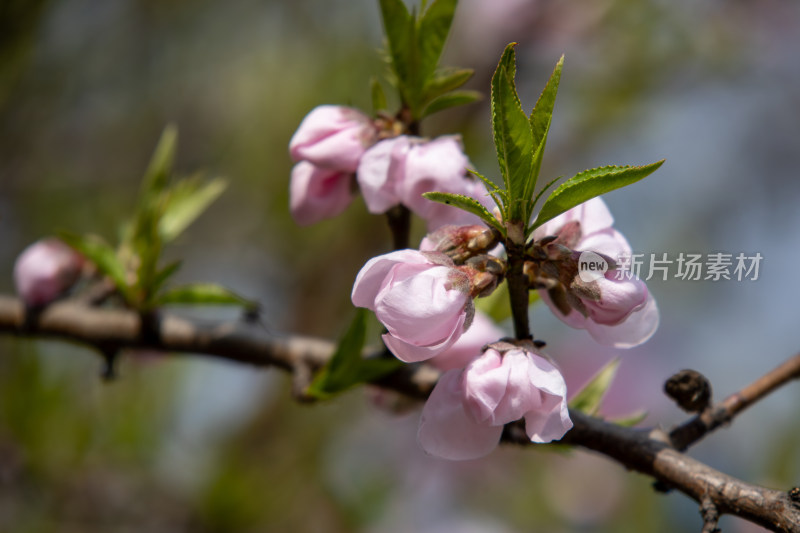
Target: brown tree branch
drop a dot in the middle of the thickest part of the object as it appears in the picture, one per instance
(714, 416)
(647, 451)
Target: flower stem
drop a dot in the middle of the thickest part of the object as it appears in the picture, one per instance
(518, 291)
(399, 218)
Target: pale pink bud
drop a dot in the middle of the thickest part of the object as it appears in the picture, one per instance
(317, 193)
(399, 170)
(467, 409)
(421, 299)
(439, 165)
(44, 270)
(333, 137)
(470, 345)
(381, 170)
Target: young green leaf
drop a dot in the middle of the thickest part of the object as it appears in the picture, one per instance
(96, 250)
(445, 80)
(468, 204)
(160, 167)
(588, 184)
(186, 201)
(400, 29)
(589, 398)
(434, 26)
(542, 115)
(203, 293)
(513, 136)
(378, 96)
(451, 99)
(347, 367)
(500, 196)
(163, 275)
(631, 419)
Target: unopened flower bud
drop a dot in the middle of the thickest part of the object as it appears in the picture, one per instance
(45, 270)
(460, 242)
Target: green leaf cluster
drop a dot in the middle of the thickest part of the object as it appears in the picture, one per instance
(163, 211)
(348, 368)
(414, 44)
(520, 141)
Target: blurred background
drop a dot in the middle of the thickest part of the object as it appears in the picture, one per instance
(197, 445)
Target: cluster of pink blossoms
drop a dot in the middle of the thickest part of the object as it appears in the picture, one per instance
(340, 150)
(424, 297)
(425, 300)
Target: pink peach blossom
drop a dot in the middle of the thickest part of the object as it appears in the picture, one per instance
(317, 193)
(333, 137)
(420, 297)
(623, 313)
(44, 270)
(470, 345)
(467, 409)
(399, 170)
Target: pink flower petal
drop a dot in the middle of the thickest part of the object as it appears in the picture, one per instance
(317, 193)
(468, 347)
(333, 137)
(420, 306)
(635, 330)
(380, 172)
(447, 431)
(372, 275)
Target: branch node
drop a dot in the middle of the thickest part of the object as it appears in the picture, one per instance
(710, 514)
(690, 390)
(301, 380)
(794, 496)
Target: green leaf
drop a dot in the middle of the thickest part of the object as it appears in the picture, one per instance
(544, 189)
(589, 398)
(513, 136)
(96, 250)
(498, 195)
(378, 96)
(451, 99)
(468, 204)
(631, 419)
(433, 29)
(400, 29)
(446, 80)
(203, 293)
(160, 167)
(347, 367)
(163, 275)
(588, 184)
(542, 116)
(144, 239)
(186, 201)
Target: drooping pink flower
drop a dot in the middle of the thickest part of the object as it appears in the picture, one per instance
(470, 345)
(399, 170)
(467, 409)
(333, 137)
(616, 310)
(44, 270)
(423, 301)
(317, 193)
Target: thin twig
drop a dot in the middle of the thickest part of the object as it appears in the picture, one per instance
(716, 415)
